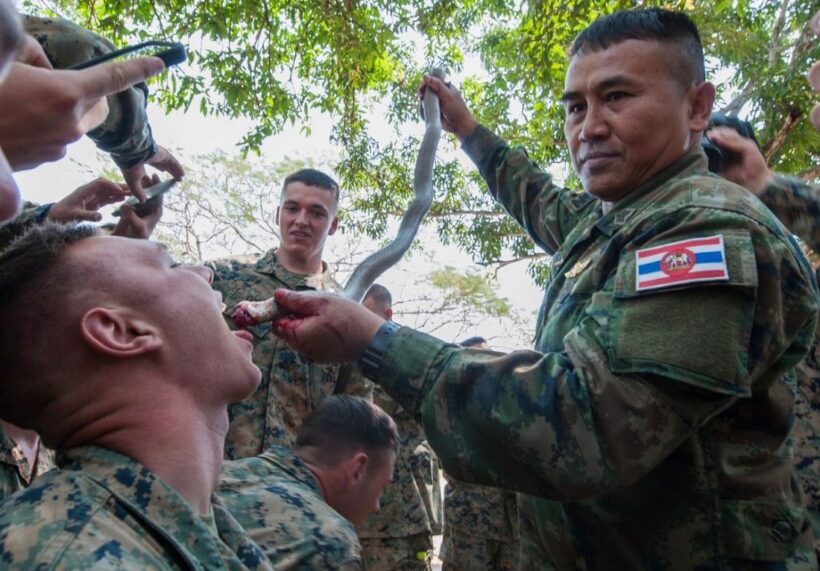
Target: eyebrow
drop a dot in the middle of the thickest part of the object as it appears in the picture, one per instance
(607, 83)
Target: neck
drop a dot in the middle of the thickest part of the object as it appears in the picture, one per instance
(27, 440)
(300, 264)
(315, 469)
(172, 436)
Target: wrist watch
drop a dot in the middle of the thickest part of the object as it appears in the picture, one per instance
(371, 360)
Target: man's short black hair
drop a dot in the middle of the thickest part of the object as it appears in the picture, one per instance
(473, 341)
(657, 24)
(313, 177)
(380, 295)
(343, 424)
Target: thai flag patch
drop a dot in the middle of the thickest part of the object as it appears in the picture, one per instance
(684, 262)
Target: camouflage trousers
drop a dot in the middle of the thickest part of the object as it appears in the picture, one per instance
(412, 553)
(463, 552)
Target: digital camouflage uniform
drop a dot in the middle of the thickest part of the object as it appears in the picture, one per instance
(400, 535)
(797, 205)
(125, 134)
(279, 502)
(292, 386)
(17, 474)
(659, 419)
(103, 510)
(480, 528)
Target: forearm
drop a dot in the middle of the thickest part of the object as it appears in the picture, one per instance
(525, 191)
(559, 423)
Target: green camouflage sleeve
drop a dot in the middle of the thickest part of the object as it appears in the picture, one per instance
(125, 134)
(30, 215)
(796, 204)
(545, 211)
(623, 393)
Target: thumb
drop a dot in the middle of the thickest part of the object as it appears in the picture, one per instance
(728, 138)
(297, 303)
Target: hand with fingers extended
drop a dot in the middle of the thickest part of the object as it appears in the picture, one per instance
(44, 109)
(749, 170)
(324, 326)
(137, 178)
(139, 222)
(84, 203)
(455, 117)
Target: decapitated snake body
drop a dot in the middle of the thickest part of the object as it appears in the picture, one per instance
(252, 312)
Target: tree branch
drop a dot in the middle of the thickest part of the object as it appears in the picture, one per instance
(780, 138)
(774, 51)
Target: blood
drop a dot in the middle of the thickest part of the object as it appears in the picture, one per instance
(242, 318)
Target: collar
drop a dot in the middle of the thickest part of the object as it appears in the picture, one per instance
(693, 162)
(269, 264)
(289, 463)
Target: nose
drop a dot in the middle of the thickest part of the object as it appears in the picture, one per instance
(595, 126)
(204, 272)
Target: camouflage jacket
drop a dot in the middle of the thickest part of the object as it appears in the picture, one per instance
(17, 474)
(660, 418)
(480, 511)
(277, 499)
(292, 386)
(125, 133)
(103, 510)
(797, 205)
(411, 503)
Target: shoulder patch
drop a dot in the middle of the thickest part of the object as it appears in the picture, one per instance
(682, 262)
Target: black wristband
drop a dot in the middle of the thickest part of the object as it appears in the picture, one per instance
(371, 361)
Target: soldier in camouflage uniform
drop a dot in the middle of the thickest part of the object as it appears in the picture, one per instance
(300, 505)
(660, 406)
(797, 204)
(135, 403)
(480, 523)
(292, 386)
(400, 535)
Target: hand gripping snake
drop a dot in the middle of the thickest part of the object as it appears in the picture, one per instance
(252, 312)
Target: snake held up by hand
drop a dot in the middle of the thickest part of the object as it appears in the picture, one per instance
(251, 312)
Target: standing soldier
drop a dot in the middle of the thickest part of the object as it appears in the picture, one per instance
(292, 385)
(400, 535)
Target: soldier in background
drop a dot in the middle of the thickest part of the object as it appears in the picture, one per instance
(400, 535)
(292, 385)
(301, 505)
(480, 523)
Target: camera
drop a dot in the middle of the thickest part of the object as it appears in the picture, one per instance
(718, 156)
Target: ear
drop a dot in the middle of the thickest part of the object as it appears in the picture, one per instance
(278, 223)
(388, 314)
(116, 333)
(333, 226)
(701, 98)
(356, 469)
